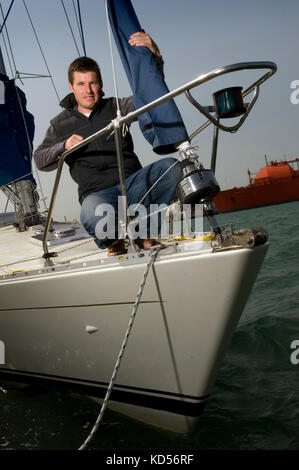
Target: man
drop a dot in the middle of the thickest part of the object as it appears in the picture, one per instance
(94, 166)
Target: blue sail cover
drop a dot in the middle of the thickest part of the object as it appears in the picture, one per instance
(15, 150)
(162, 126)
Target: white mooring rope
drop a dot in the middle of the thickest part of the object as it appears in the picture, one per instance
(152, 259)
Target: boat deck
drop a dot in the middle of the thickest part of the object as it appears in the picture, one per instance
(22, 252)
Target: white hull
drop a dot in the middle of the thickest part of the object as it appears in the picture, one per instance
(191, 304)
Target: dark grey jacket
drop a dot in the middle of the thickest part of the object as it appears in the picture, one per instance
(94, 166)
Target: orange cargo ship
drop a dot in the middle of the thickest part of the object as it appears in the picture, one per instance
(277, 182)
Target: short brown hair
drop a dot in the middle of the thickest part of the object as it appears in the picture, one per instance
(83, 64)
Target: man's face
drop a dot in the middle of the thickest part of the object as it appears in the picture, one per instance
(86, 89)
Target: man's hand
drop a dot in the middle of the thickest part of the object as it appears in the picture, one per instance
(144, 39)
(73, 140)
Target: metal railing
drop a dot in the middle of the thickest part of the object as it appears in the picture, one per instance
(133, 116)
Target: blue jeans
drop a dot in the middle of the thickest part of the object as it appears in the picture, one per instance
(137, 185)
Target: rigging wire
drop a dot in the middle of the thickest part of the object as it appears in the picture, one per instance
(24, 121)
(41, 50)
(3, 24)
(20, 75)
(17, 91)
(21, 106)
(16, 75)
(29, 142)
(76, 16)
(81, 27)
(7, 54)
(112, 60)
(154, 184)
(9, 44)
(70, 26)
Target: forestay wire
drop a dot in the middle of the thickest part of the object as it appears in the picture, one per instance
(6, 16)
(81, 27)
(112, 61)
(71, 29)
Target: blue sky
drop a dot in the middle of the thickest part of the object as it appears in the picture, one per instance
(195, 37)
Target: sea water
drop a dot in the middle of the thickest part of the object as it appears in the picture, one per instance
(255, 399)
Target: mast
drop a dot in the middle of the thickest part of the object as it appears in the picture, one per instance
(2, 66)
(266, 160)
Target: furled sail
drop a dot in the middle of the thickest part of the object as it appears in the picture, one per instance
(162, 126)
(16, 133)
